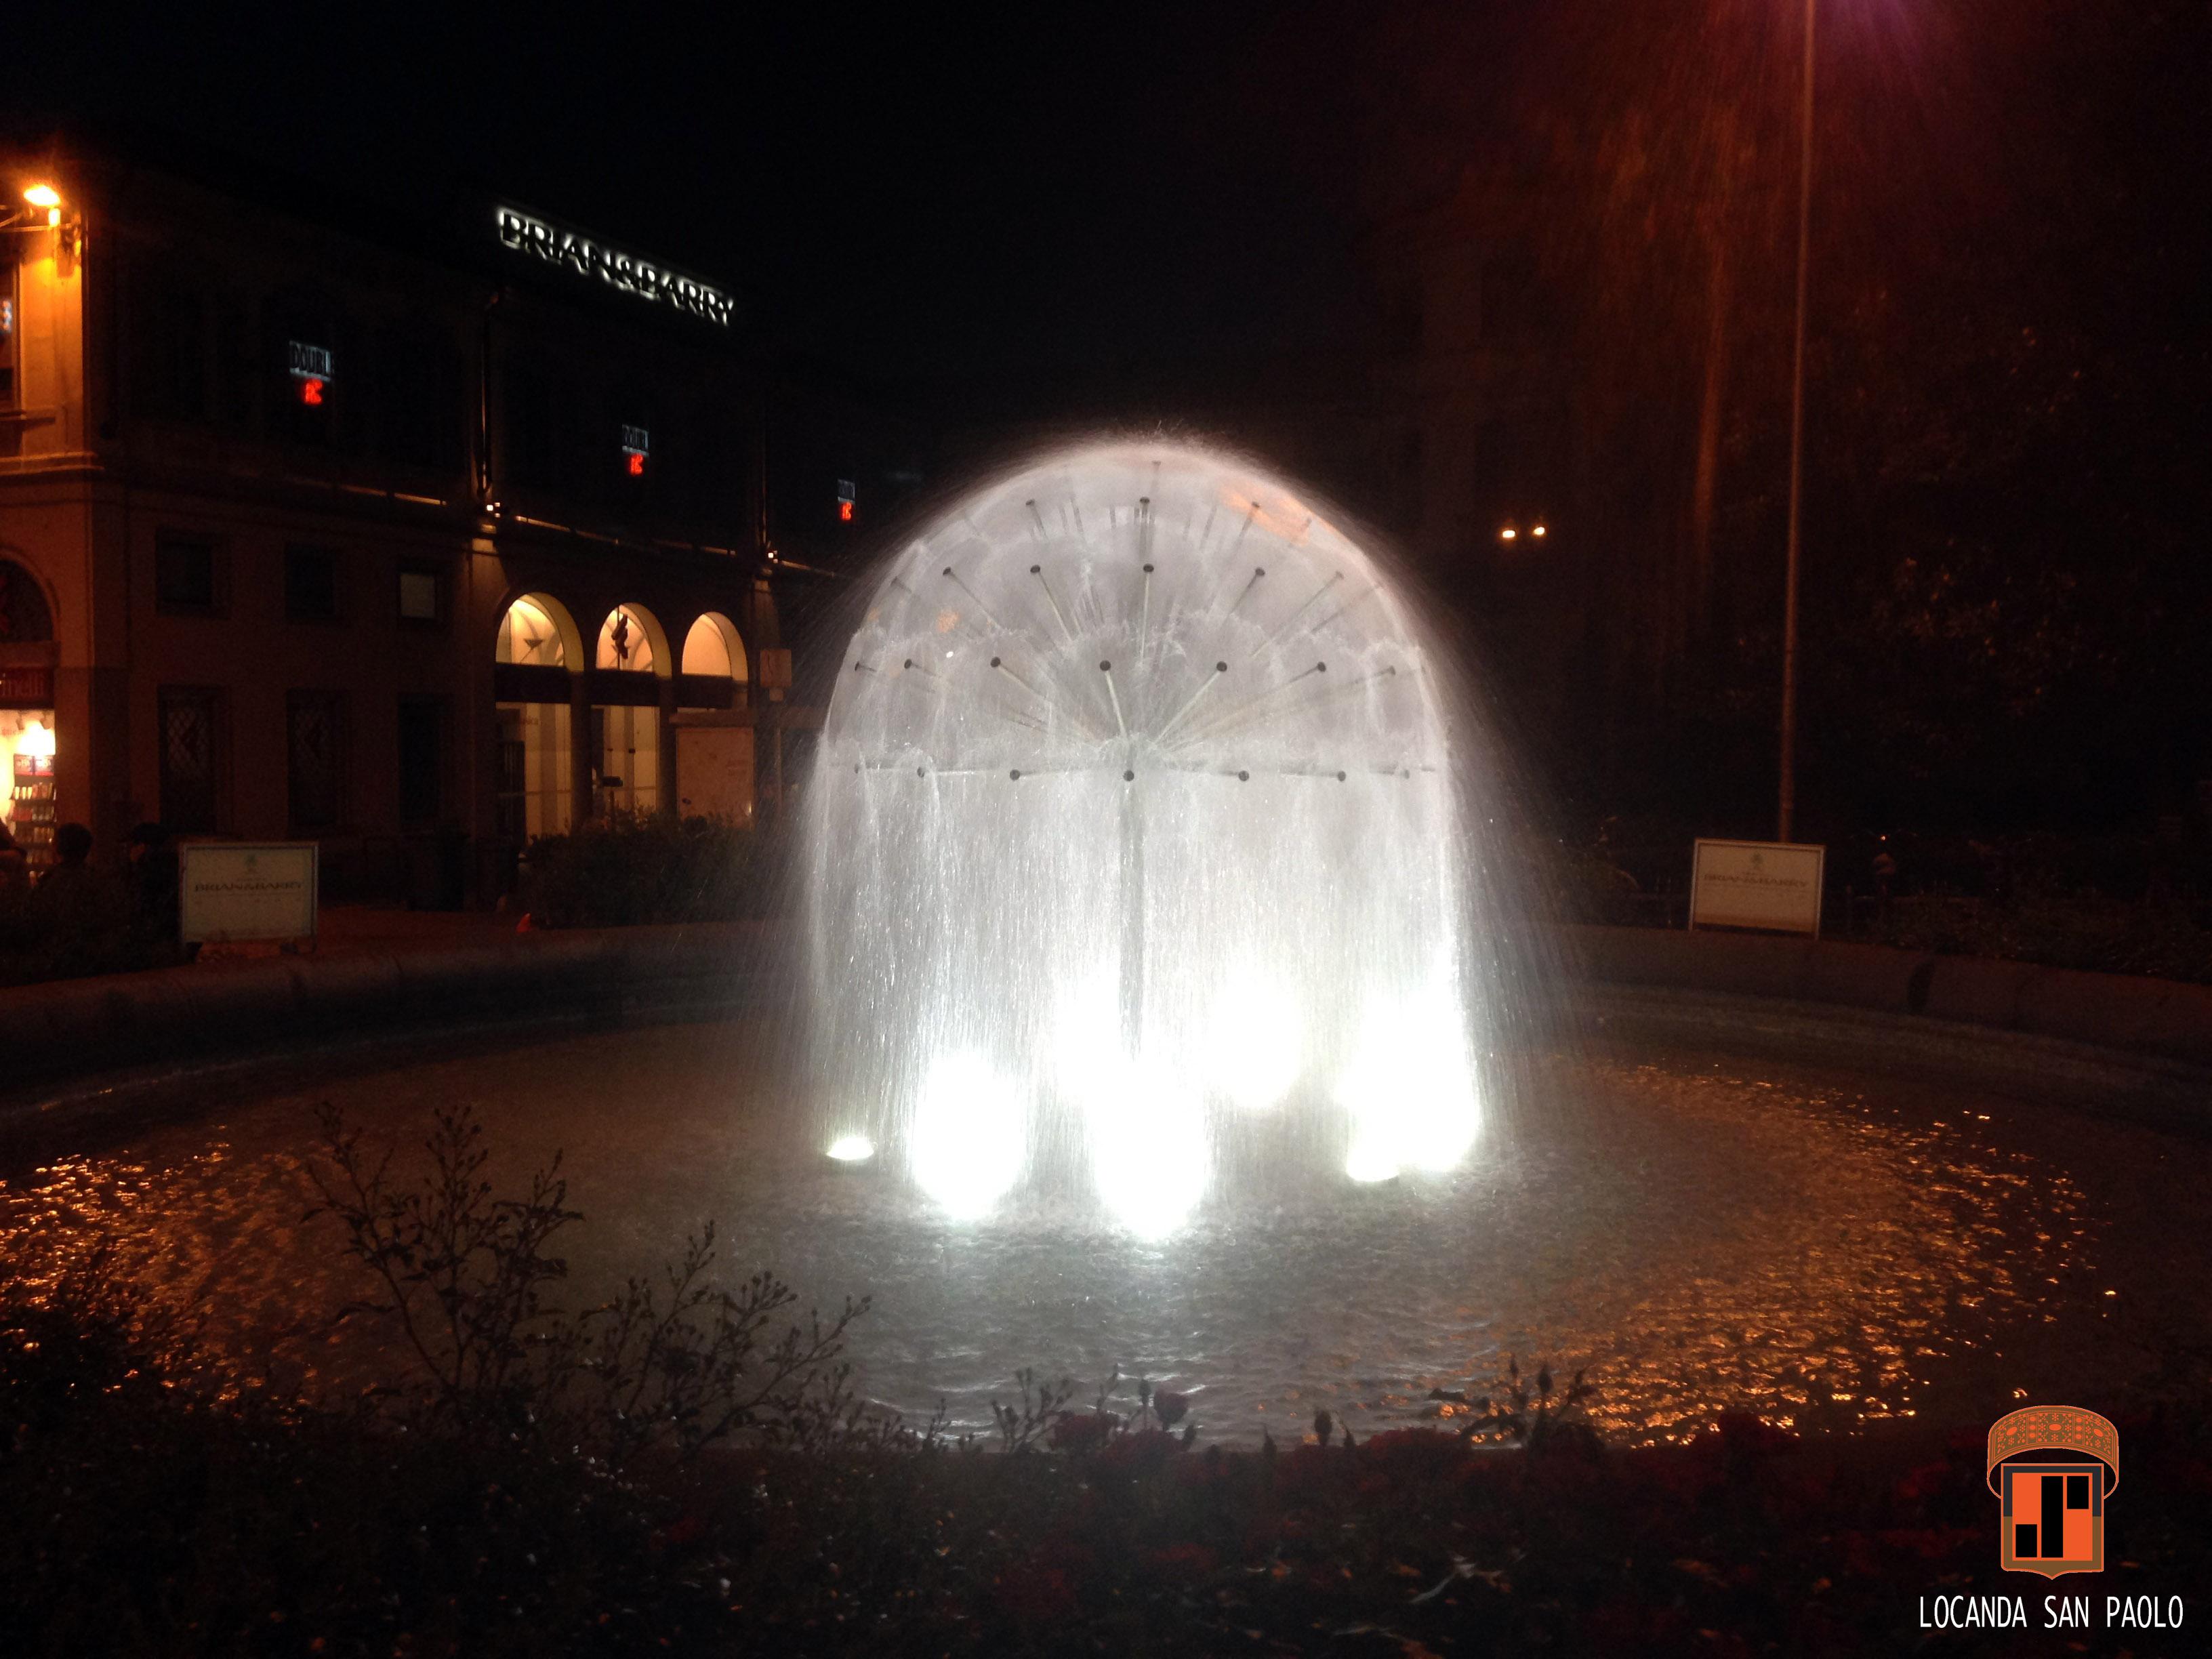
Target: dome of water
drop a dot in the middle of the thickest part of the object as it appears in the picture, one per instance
(1140, 846)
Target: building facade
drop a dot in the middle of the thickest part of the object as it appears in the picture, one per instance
(416, 547)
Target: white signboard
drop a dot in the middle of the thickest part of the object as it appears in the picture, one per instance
(247, 889)
(1757, 883)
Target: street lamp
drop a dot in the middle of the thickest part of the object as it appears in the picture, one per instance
(1787, 812)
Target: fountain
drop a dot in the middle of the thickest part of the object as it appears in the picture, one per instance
(1138, 819)
(1158, 893)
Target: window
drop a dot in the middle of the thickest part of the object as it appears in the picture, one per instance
(24, 616)
(315, 757)
(168, 339)
(191, 758)
(416, 379)
(187, 574)
(310, 585)
(237, 375)
(534, 407)
(7, 335)
(422, 759)
(713, 469)
(422, 595)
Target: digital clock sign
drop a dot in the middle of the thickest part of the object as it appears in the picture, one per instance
(311, 370)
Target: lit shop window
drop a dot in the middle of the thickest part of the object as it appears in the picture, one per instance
(26, 740)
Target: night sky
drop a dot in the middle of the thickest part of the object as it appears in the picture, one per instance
(904, 194)
(1153, 189)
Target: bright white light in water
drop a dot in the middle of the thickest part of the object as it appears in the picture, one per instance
(1148, 1148)
(851, 1149)
(1254, 1047)
(1372, 1159)
(1145, 1125)
(1409, 1089)
(970, 1134)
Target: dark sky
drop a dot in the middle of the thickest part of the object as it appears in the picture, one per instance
(1125, 192)
(904, 191)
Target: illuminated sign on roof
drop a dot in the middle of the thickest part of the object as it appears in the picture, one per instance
(525, 233)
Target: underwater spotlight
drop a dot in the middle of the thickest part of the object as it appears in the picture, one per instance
(970, 1135)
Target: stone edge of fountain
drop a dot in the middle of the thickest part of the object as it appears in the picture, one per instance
(92, 1049)
(2165, 1018)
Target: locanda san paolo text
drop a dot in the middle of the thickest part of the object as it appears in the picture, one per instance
(2057, 1612)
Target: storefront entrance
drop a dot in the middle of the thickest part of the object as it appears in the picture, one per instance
(536, 792)
(26, 721)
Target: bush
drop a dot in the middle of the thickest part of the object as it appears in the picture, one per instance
(2072, 930)
(632, 868)
(463, 1286)
(517, 1486)
(92, 923)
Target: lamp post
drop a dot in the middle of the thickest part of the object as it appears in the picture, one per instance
(1787, 812)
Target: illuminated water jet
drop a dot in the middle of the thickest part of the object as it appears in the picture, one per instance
(1138, 814)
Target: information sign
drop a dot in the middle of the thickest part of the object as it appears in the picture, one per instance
(1757, 883)
(231, 890)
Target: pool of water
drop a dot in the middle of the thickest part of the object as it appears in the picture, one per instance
(1697, 1231)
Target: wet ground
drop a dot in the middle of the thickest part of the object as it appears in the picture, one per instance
(1697, 1231)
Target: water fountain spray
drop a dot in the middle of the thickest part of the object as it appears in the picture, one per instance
(1137, 813)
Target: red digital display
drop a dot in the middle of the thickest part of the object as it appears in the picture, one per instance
(636, 466)
(845, 511)
(311, 393)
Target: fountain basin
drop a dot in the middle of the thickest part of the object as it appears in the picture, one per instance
(1839, 1241)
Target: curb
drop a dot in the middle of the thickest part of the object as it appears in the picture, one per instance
(2162, 1017)
(78, 1031)
(70, 1030)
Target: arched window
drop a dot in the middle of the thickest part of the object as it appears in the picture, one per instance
(715, 647)
(625, 745)
(537, 758)
(530, 634)
(626, 639)
(24, 618)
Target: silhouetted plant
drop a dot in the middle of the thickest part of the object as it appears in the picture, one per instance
(1038, 1411)
(463, 1276)
(1505, 1413)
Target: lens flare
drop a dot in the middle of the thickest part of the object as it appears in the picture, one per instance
(970, 1135)
(851, 1149)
